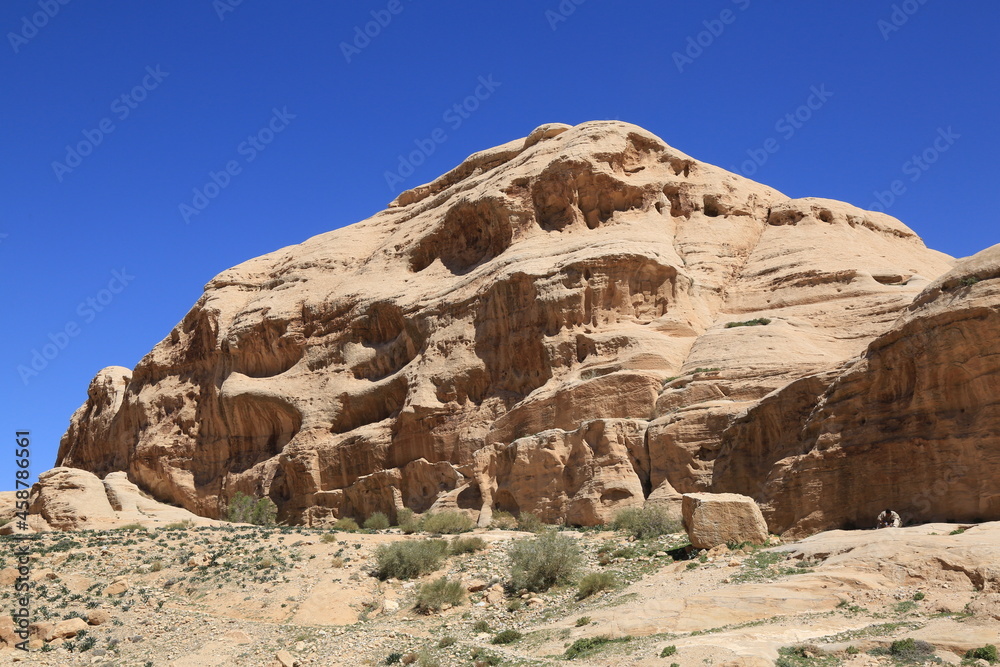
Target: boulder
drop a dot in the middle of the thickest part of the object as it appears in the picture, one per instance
(69, 628)
(714, 519)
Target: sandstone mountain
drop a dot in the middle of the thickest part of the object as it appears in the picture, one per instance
(548, 328)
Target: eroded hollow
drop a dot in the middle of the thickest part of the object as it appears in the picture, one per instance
(259, 428)
(471, 233)
(374, 404)
(388, 341)
(262, 348)
(569, 194)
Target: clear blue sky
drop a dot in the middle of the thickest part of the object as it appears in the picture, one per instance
(199, 78)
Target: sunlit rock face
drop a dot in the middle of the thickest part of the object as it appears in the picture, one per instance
(542, 329)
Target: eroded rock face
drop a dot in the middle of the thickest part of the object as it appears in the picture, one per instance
(912, 424)
(541, 329)
(74, 499)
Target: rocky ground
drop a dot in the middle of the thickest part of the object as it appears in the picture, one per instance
(187, 596)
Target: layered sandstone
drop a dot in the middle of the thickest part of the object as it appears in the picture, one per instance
(912, 424)
(541, 329)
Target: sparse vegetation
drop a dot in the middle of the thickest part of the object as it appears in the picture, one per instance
(466, 545)
(447, 523)
(245, 509)
(582, 621)
(706, 370)
(911, 650)
(506, 637)
(645, 523)
(668, 651)
(758, 322)
(377, 521)
(406, 560)
(538, 563)
(987, 653)
(481, 626)
(439, 594)
(132, 526)
(503, 521)
(347, 525)
(530, 523)
(596, 582)
(590, 645)
(969, 281)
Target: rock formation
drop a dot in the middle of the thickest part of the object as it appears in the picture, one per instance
(549, 327)
(912, 424)
(73, 499)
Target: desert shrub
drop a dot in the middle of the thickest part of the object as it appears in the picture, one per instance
(538, 563)
(328, 538)
(759, 322)
(645, 522)
(595, 582)
(406, 560)
(447, 641)
(337, 562)
(582, 621)
(425, 659)
(447, 523)
(245, 509)
(132, 526)
(668, 651)
(987, 653)
(377, 521)
(483, 658)
(506, 637)
(434, 595)
(918, 596)
(393, 658)
(530, 523)
(503, 521)
(588, 645)
(515, 605)
(179, 525)
(466, 545)
(156, 565)
(347, 525)
(911, 650)
(969, 281)
(481, 626)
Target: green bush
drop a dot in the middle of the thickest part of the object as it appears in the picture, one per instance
(987, 653)
(245, 509)
(759, 322)
(393, 658)
(466, 545)
(506, 637)
(406, 560)
(530, 523)
(328, 538)
(645, 523)
(433, 596)
(539, 563)
(377, 521)
(582, 621)
(668, 651)
(447, 523)
(447, 641)
(481, 626)
(588, 645)
(969, 281)
(346, 524)
(503, 521)
(131, 527)
(911, 650)
(596, 582)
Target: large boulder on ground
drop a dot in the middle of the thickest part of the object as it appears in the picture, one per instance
(711, 519)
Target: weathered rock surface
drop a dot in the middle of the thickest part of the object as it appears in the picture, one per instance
(74, 499)
(544, 328)
(912, 424)
(711, 519)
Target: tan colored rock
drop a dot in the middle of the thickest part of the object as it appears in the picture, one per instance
(8, 637)
(98, 617)
(69, 628)
(42, 630)
(285, 659)
(457, 349)
(715, 519)
(910, 425)
(116, 588)
(74, 499)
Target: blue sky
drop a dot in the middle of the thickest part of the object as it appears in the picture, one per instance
(149, 146)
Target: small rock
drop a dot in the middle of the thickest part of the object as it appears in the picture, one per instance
(285, 659)
(117, 588)
(98, 617)
(69, 628)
